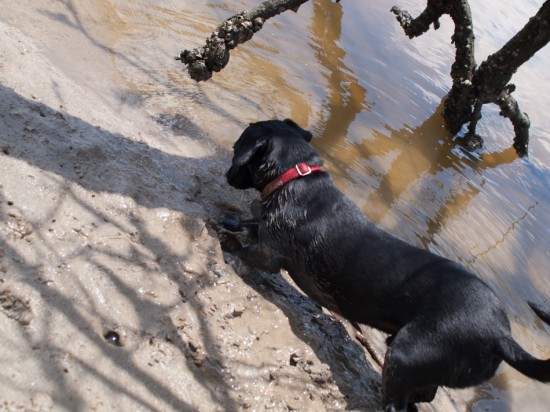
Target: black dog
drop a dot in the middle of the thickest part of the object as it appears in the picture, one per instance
(448, 328)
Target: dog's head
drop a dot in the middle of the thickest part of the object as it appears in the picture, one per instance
(267, 149)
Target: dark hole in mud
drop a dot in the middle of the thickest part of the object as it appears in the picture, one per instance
(294, 359)
(113, 338)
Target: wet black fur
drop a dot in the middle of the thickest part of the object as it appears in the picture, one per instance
(448, 328)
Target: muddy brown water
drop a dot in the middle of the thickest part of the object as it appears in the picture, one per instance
(373, 99)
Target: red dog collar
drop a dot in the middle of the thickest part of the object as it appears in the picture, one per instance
(300, 170)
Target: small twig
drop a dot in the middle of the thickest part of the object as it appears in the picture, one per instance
(361, 338)
(370, 349)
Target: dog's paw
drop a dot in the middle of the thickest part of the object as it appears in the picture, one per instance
(231, 223)
(230, 241)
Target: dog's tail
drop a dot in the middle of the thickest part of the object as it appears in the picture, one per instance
(519, 359)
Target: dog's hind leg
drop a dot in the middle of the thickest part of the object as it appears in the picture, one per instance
(423, 395)
(410, 372)
(395, 391)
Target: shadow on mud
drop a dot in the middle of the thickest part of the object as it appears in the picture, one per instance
(93, 159)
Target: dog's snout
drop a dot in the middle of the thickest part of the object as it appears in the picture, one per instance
(239, 178)
(230, 175)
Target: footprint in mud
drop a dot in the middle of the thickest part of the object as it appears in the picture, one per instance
(78, 170)
(90, 158)
(15, 308)
(15, 226)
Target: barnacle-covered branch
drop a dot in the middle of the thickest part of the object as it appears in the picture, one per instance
(457, 108)
(214, 55)
(473, 87)
(492, 78)
(415, 27)
(509, 108)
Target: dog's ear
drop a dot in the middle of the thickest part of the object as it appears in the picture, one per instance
(239, 175)
(243, 155)
(306, 134)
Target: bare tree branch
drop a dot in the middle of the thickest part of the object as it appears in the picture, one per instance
(492, 77)
(497, 71)
(416, 27)
(489, 83)
(510, 109)
(214, 56)
(457, 109)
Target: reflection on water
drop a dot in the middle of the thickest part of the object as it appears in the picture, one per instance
(373, 98)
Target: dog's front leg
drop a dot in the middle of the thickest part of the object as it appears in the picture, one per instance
(255, 255)
(248, 240)
(261, 257)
